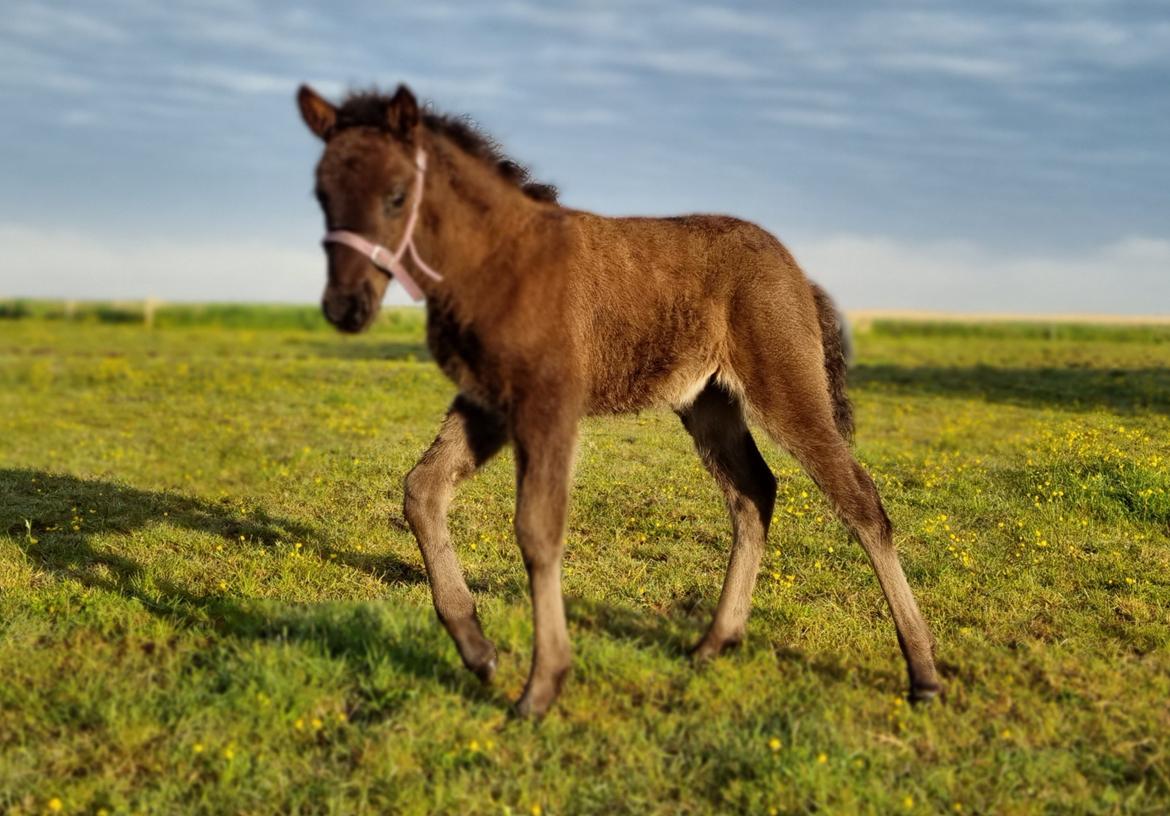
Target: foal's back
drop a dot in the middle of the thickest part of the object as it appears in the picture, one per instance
(671, 303)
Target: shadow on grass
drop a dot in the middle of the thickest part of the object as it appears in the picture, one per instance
(56, 518)
(39, 512)
(1119, 390)
(677, 632)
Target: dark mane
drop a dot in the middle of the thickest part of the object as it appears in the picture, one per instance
(369, 108)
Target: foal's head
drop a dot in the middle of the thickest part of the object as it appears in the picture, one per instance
(363, 184)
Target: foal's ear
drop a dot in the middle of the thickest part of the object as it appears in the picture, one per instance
(317, 112)
(402, 114)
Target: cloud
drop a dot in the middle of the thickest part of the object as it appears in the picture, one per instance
(614, 24)
(240, 81)
(701, 62)
(69, 264)
(734, 21)
(43, 22)
(1129, 275)
(578, 116)
(600, 78)
(812, 118)
(255, 34)
(79, 118)
(661, 59)
(28, 69)
(236, 80)
(966, 67)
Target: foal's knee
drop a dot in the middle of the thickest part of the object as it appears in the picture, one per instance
(538, 552)
(865, 511)
(420, 496)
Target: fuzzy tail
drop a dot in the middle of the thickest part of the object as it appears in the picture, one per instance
(838, 355)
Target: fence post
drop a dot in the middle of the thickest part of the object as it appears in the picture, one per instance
(148, 308)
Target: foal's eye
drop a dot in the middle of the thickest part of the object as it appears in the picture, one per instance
(394, 201)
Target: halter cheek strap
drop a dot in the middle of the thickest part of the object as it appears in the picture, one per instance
(391, 263)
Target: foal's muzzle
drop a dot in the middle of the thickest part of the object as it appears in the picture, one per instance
(348, 312)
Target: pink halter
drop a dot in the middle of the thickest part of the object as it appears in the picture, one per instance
(380, 256)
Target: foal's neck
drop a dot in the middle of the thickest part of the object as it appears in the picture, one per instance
(470, 214)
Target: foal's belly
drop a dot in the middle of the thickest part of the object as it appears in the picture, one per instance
(638, 379)
(661, 358)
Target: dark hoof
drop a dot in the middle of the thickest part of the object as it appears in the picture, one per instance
(486, 670)
(921, 695)
(539, 696)
(709, 648)
(526, 709)
(532, 706)
(483, 665)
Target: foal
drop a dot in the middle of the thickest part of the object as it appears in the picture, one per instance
(541, 315)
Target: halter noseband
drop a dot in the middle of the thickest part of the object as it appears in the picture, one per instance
(381, 257)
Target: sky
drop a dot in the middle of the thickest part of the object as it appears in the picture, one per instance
(980, 156)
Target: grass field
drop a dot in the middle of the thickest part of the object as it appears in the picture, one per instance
(209, 602)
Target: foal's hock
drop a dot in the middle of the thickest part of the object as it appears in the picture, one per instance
(542, 314)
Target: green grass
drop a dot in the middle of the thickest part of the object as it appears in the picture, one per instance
(209, 602)
(174, 315)
(1025, 330)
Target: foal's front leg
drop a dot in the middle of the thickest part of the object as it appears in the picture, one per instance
(469, 437)
(545, 446)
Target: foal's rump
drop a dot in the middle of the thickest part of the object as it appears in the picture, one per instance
(677, 302)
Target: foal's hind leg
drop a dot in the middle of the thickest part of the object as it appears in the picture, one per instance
(715, 421)
(469, 437)
(856, 500)
(798, 414)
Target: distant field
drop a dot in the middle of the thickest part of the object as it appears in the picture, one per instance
(209, 602)
(869, 316)
(308, 316)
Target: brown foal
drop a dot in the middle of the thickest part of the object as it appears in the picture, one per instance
(542, 314)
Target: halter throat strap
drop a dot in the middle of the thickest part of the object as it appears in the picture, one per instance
(391, 262)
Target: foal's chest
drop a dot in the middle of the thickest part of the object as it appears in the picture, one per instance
(457, 349)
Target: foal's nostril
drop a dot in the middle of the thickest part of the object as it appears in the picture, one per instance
(335, 309)
(354, 319)
(346, 312)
